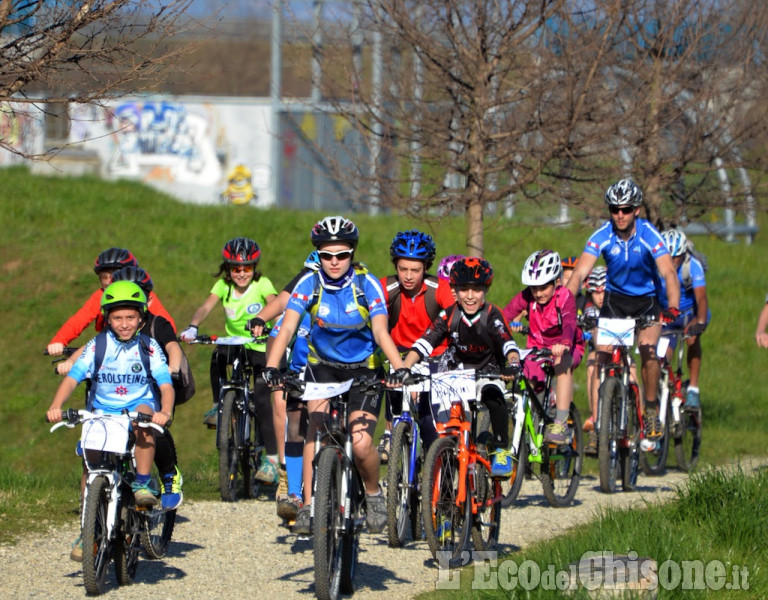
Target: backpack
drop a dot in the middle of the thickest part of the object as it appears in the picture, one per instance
(360, 302)
(184, 384)
(394, 293)
(686, 270)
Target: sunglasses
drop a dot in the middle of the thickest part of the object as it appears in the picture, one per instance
(242, 269)
(624, 210)
(342, 255)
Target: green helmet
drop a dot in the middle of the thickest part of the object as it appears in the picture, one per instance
(123, 294)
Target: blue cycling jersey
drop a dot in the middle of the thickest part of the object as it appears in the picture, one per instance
(300, 348)
(342, 334)
(687, 294)
(631, 264)
(121, 381)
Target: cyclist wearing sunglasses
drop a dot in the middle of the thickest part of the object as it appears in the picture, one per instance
(243, 292)
(636, 257)
(349, 326)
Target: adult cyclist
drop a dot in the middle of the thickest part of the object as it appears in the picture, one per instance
(635, 257)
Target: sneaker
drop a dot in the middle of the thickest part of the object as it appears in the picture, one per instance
(376, 513)
(172, 494)
(76, 553)
(589, 424)
(591, 449)
(267, 472)
(210, 418)
(303, 524)
(692, 400)
(501, 466)
(282, 485)
(144, 496)
(384, 445)
(556, 433)
(443, 532)
(653, 430)
(288, 508)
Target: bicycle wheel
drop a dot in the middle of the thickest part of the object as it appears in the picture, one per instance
(487, 521)
(398, 485)
(326, 528)
(629, 450)
(127, 546)
(229, 447)
(156, 532)
(97, 547)
(511, 487)
(561, 466)
(446, 521)
(609, 398)
(688, 443)
(654, 462)
(251, 459)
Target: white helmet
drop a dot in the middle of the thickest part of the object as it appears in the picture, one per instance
(676, 242)
(542, 267)
(624, 192)
(597, 279)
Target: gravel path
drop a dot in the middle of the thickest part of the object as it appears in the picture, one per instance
(239, 551)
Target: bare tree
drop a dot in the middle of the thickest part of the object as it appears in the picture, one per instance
(60, 51)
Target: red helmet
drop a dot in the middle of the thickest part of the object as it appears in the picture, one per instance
(241, 251)
(114, 258)
(471, 270)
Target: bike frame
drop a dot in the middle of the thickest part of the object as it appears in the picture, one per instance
(406, 416)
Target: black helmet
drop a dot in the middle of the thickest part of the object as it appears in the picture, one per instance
(114, 258)
(334, 229)
(241, 251)
(137, 275)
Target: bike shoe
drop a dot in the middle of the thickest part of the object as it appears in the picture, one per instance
(282, 485)
(589, 424)
(76, 553)
(501, 466)
(210, 417)
(556, 433)
(288, 508)
(376, 512)
(303, 524)
(143, 495)
(692, 400)
(384, 447)
(443, 532)
(267, 472)
(653, 430)
(172, 494)
(591, 449)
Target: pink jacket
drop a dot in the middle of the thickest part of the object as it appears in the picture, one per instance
(550, 324)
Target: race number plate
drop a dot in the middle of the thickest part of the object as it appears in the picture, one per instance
(107, 434)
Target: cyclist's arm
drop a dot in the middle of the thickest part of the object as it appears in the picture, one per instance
(66, 387)
(380, 330)
(411, 359)
(175, 353)
(276, 350)
(64, 366)
(702, 303)
(167, 399)
(762, 322)
(668, 272)
(583, 267)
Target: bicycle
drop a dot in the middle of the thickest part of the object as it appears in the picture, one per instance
(113, 527)
(238, 438)
(338, 499)
(681, 423)
(530, 411)
(619, 404)
(459, 498)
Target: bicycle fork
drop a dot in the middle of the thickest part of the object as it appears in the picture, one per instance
(112, 503)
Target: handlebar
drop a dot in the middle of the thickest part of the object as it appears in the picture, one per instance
(524, 329)
(72, 416)
(215, 339)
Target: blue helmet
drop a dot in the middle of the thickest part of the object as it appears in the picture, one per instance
(312, 261)
(413, 244)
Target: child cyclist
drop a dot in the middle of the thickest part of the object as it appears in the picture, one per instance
(124, 307)
(107, 262)
(243, 292)
(477, 337)
(595, 287)
(551, 311)
(414, 299)
(349, 326)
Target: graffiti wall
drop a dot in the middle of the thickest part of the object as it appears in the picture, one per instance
(193, 149)
(22, 126)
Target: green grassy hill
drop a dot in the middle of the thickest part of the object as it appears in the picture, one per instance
(53, 229)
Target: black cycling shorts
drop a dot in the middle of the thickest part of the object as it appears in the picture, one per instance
(619, 306)
(324, 373)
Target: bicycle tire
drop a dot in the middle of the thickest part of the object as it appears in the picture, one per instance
(629, 452)
(561, 470)
(519, 466)
(654, 462)
(97, 547)
(228, 442)
(251, 459)
(439, 492)
(398, 488)
(688, 443)
(487, 521)
(326, 526)
(609, 397)
(126, 550)
(157, 532)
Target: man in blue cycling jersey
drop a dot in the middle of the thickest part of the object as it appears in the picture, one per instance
(636, 257)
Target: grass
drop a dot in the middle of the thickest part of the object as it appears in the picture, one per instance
(53, 228)
(718, 515)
